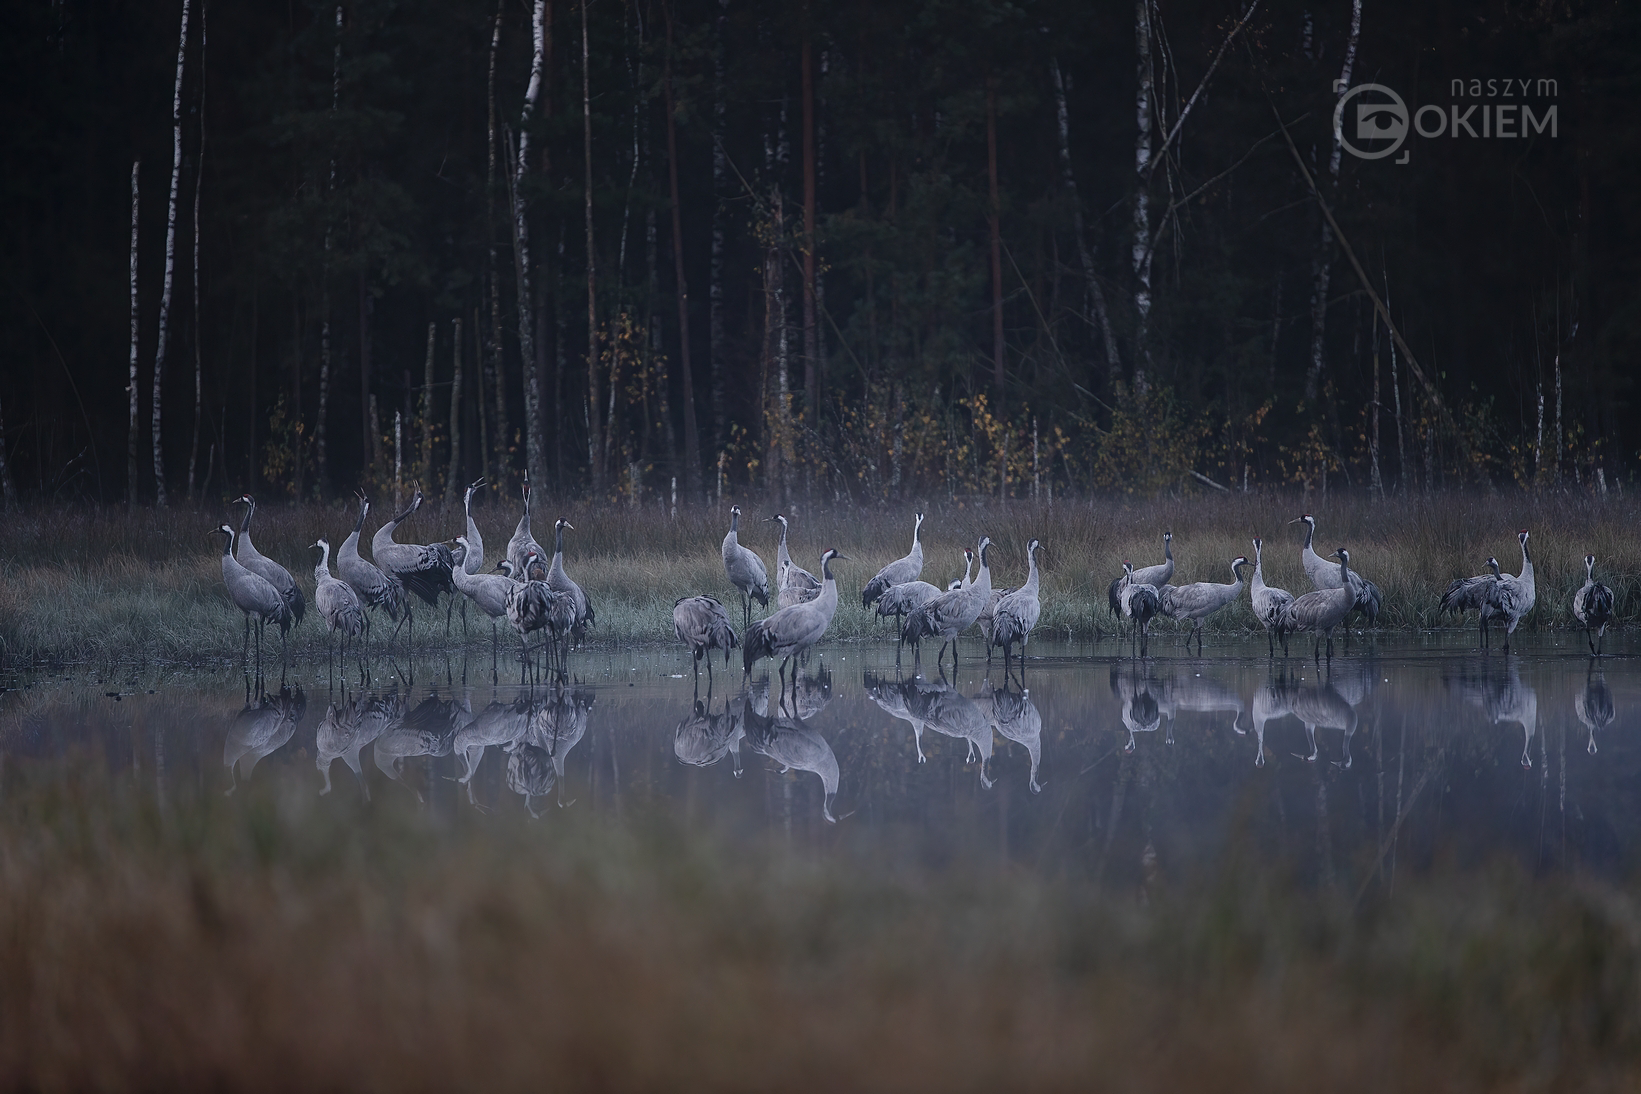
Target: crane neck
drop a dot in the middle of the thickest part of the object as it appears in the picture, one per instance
(250, 511)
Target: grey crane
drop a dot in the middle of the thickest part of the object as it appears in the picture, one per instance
(1016, 718)
(938, 706)
(1320, 706)
(1138, 602)
(338, 604)
(745, 570)
(375, 588)
(794, 745)
(523, 541)
(1503, 697)
(793, 584)
(497, 724)
(423, 569)
(254, 595)
(260, 730)
(348, 726)
(264, 567)
(702, 624)
(1321, 610)
(987, 618)
(1017, 613)
(1593, 607)
(951, 613)
(1325, 575)
(533, 606)
(1200, 599)
(473, 548)
(1157, 575)
(796, 628)
(1479, 594)
(909, 567)
(488, 591)
(703, 738)
(968, 572)
(1517, 594)
(1594, 706)
(1268, 601)
(560, 583)
(429, 729)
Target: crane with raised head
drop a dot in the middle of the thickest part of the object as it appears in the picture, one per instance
(523, 541)
(1200, 599)
(909, 567)
(951, 613)
(1156, 576)
(1325, 575)
(1593, 607)
(338, 604)
(793, 584)
(375, 588)
(1268, 601)
(1017, 613)
(561, 583)
(1517, 593)
(1320, 610)
(744, 569)
(266, 568)
(702, 624)
(254, 595)
(796, 628)
(1139, 603)
(423, 569)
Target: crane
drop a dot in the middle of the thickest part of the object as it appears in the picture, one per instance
(1200, 599)
(1479, 594)
(275, 574)
(423, 569)
(702, 624)
(1268, 601)
(1593, 607)
(1325, 575)
(1320, 610)
(909, 567)
(1017, 613)
(795, 628)
(375, 588)
(1157, 575)
(254, 595)
(745, 570)
(488, 591)
(793, 584)
(560, 583)
(338, 604)
(523, 541)
(951, 613)
(1138, 601)
(1517, 594)
(529, 605)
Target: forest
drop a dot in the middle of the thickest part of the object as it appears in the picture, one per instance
(656, 250)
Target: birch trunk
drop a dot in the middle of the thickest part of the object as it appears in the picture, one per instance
(533, 436)
(131, 383)
(170, 264)
(775, 341)
(455, 473)
(595, 444)
(494, 367)
(994, 230)
(1141, 250)
(692, 436)
(1322, 264)
(199, 183)
(321, 430)
(424, 470)
(720, 175)
(1099, 317)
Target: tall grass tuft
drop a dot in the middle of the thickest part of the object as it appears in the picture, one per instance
(111, 584)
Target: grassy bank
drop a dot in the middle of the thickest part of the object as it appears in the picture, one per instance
(146, 585)
(278, 941)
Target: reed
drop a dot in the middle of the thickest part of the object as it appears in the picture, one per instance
(110, 584)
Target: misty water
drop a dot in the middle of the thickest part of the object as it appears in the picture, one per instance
(1405, 756)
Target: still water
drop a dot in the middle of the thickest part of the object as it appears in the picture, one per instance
(1406, 755)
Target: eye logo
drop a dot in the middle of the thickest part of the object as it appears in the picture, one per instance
(1381, 122)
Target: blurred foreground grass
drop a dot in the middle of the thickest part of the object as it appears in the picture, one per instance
(116, 585)
(278, 941)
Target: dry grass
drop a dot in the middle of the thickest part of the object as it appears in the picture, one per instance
(108, 585)
(274, 941)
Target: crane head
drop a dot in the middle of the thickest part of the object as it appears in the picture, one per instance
(1589, 562)
(1522, 535)
(1493, 564)
(321, 542)
(562, 523)
(244, 499)
(1168, 537)
(1342, 555)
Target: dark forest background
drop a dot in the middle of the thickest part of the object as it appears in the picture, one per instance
(934, 246)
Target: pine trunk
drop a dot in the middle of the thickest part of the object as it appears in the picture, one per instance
(717, 338)
(1099, 317)
(170, 263)
(994, 230)
(131, 383)
(533, 435)
(454, 475)
(1141, 248)
(692, 436)
(7, 488)
(494, 366)
(811, 355)
(595, 443)
(199, 184)
(373, 434)
(1322, 263)
(424, 469)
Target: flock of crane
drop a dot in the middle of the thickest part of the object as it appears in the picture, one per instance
(532, 591)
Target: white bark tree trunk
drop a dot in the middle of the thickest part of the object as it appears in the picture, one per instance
(716, 335)
(1322, 265)
(595, 455)
(170, 260)
(131, 383)
(199, 185)
(521, 252)
(1141, 250)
